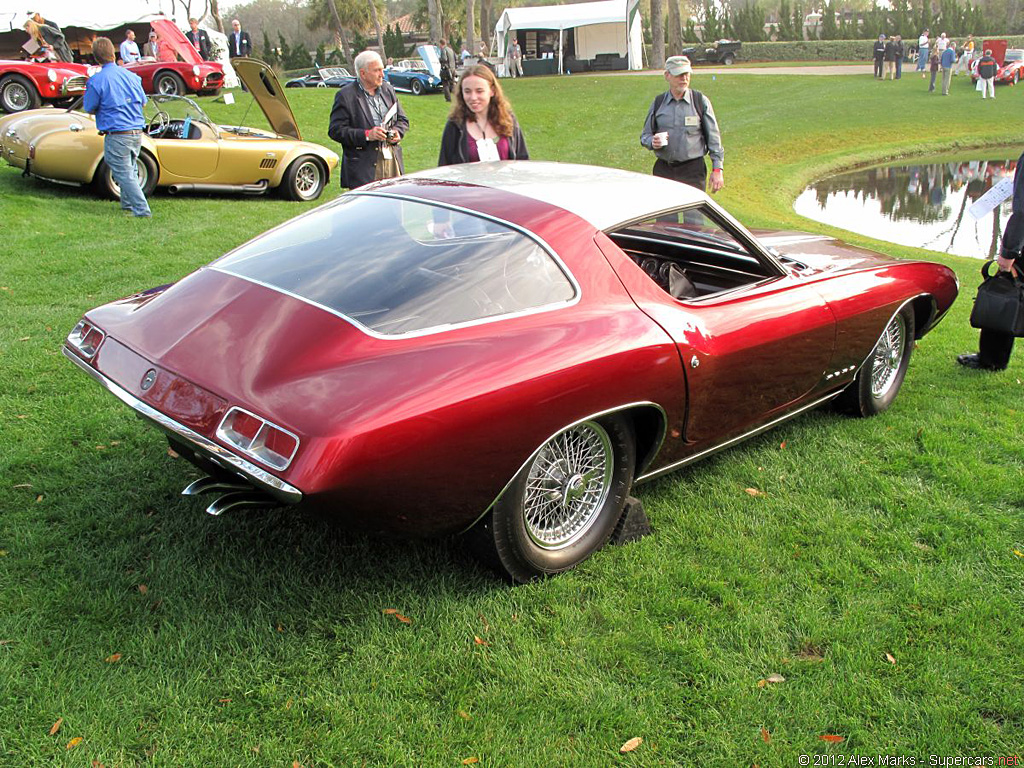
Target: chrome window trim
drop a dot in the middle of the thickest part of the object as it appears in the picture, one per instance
(434, 329)
(217, 453)
(627, 406)
(732, 441)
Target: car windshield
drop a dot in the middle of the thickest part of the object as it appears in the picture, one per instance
(328, 72)
(175, 107)
(1014, 54)
(399, 267)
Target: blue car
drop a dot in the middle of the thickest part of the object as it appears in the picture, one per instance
(417, 76)
(327, 77)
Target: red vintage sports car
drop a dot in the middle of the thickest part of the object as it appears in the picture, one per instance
(1010, 69)
(503, 349)
(176, 78)
(29, 84)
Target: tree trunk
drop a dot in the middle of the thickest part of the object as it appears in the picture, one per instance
(657, 35)
(376, 25)
(470, 42)
(215, 12)
(675, 30)
(346, 49)
(486, 22)
(435, 20)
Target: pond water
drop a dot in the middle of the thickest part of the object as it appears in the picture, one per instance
(924, 204)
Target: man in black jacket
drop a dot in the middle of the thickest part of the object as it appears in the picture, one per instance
(994, 348)
(199, 38)
(239, 43)
(357, 122)
(879, 53)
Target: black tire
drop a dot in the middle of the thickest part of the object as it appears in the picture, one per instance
(557, 512)
(881, 376)
(729, 60)
(148, 174)
(417, 87)
(18, 94)
(169, 84)
(304, 180)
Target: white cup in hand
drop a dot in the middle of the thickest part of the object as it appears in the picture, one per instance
(660, 140)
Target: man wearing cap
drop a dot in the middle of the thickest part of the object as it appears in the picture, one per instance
(151, 49)
(681, 128)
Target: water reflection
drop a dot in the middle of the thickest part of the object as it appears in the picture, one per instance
(923, 205)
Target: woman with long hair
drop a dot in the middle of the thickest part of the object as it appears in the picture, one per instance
(481, 125)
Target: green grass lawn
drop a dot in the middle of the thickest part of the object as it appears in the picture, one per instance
(879, 573)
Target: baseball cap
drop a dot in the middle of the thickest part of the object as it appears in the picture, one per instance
(677, 65)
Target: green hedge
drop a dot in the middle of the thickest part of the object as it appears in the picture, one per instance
(828, 50)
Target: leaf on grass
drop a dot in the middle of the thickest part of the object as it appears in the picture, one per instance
(1018, 553)
(471, 760)
(890, 658)
(56, 726)
(98, 764)
(403, 619)
(143, 589)
(279, 628)
(754, 492)
(113, 658)
(776, 678)
(74, 742)
(24, 338)
(172, 453)
(3, 553)
(766, 737)
(296, 764)
(831, 738)
(39, 498)
(390, 611)
(115, 442)
(23, 485)
(464, 715)
(487, 627)
(224, 701)
(630, 745)
(479, 641)
(6, 642)
(101, 447)
(782, 445)
(288, 704)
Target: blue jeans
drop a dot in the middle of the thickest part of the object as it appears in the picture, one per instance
(922, 59)
(121, 153)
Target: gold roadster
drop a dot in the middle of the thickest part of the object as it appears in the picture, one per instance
(183, 150)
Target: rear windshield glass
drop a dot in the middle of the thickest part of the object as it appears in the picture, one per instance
(402, 266)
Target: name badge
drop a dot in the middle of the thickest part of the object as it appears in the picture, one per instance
(487, 150)
(691, 120)
(386, 151)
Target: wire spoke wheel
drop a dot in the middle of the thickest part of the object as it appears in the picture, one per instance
(567, 485)
(307, 179)
(887, 356)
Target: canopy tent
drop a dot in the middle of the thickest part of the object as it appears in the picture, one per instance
(608, 26)
(82, 21)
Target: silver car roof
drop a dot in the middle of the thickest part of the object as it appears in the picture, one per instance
(602, 196)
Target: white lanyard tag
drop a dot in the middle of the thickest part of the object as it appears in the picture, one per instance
(487, 150)
(386, 151)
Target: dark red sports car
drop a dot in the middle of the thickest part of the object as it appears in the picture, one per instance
(504, 349)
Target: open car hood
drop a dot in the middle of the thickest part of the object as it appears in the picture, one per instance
(269, 94)
(174, 37)
(429, 55)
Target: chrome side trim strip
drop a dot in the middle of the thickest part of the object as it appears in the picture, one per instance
(659, 442)
(220, 455)
(728, 443)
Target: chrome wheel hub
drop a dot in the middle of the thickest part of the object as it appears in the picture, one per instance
(307, 179)
(887, 356)
(16, 97)
(567, 485)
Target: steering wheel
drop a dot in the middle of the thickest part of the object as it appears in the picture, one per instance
(161, 121)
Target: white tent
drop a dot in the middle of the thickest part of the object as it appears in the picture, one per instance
(608, 26)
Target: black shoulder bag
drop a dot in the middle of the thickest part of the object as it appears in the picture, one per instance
(999, 305)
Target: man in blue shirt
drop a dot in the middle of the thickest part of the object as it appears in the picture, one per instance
(116, 97)
(129, 48)
(946, 61)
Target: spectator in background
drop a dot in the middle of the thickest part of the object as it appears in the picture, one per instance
(115, 96)
(941, 43)
(514, 58)
(239, 43)
(890, 59)
(448, 67)
(900, 51)
(879, 56)
(922, 52)
(966, 56)
(681, 128)
(151, 49)
(53, 37)
(933, 67)
(987, 69)
(43, 52)
(199, 38)
(947, 60)
(129, 48)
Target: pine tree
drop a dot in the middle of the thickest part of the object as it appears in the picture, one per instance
(828, 22)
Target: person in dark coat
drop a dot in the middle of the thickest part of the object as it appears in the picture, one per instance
(54, 38)
(357, 122)
(995, 348)
(239, 43)
(879, 54)
(199, 38)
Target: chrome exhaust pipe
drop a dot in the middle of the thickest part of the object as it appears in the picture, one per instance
(241, 500)
(247, 189)
(211, 484)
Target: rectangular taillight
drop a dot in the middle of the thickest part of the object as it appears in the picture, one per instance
(256, 437)
(86, 338)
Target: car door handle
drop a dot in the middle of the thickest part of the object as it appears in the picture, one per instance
(75, 127)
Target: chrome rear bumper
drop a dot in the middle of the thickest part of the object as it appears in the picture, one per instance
(208, 449)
